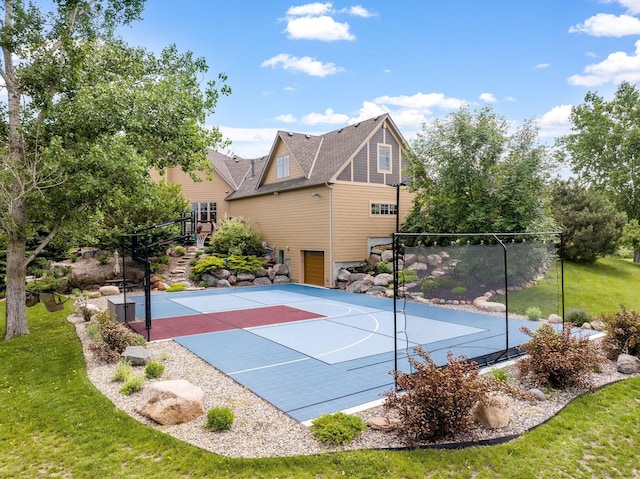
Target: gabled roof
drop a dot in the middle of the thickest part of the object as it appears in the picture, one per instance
(231, 169)
(320, 157)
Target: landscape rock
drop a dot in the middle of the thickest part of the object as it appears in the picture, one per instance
(109, 290)
(554, 319)
(136, 355)
(538, 394)
(485, 305)
(383, 279)
(628, 364)
(171, 402)
(495, 413)
(380, 423)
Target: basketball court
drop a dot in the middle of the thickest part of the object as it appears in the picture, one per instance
(312, 351)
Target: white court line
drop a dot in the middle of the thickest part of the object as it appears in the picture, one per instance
(275, 365)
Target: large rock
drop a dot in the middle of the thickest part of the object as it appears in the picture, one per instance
(136, 355)
(494, 412)
(109, 290)
(343, 275)
(171, 402)
(383, 279)
(628, 364)
(485, 305)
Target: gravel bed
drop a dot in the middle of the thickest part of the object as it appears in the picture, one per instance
(261, 430)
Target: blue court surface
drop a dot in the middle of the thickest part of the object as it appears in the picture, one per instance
(339, 359)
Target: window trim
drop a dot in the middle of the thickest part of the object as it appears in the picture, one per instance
(282, 162)
(384, 210)
(390, 157)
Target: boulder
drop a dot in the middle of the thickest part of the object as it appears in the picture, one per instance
(538, 394)
(281, 269)
(555, 319)
(383, 279)
(109, 290)
(136, 355)
(380, 423)
(210, 279)
(355, 287)
(242, 277)
(343, 274)
(262, 281)
(628, 364)
(171, 402)
(280, 279)
(223, 283)
(483, 304)
(387, 255)
(494, 412)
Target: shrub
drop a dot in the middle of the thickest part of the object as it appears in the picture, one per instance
(153, 370)
(82, 307)
(93, 332)
(578, 317)
(245, 264)
(103, 258)
(103, 352)
(164, 259)
(219, 419)
(558, 358)
(123, 371)
(236, 236)
(407, 275)
(206, 265)
(623, 332)
(115, 335)
(338, 428)
(533, 313)
(436, 402)
(179, 251)
(458, 290)
(175, 288)
(132, 384)
(384, 267)
(500, 374)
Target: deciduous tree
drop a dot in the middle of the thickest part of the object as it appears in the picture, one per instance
(87, 116)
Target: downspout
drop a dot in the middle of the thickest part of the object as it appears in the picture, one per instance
(331, 242)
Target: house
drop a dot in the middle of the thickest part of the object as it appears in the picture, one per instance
(320, 201)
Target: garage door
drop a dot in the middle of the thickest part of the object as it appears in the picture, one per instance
(314, 267)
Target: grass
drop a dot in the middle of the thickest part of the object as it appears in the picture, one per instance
(54, 423)
(598, 288)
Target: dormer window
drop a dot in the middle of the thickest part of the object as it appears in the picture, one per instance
(384, 159)
(282, 166)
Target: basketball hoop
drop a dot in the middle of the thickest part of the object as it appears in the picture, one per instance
(200, 240)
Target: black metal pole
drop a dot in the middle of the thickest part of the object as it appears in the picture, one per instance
(395, 310)
(562, 274)
(506, 294)
(147, 294)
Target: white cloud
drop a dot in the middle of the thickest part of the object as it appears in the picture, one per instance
(555, 122)
(541, 66)
(617, 67)
(286, 118)
(510, 98)
(307, 65)
(322, 28)
(329, 117)
(359, 11)
(632, 6)
(249, 142)
(316, 8)
(488, 98)
(422, 102)
(607, 25)
(386, 70)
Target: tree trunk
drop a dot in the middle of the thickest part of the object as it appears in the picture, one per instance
(16, 274)
(636, 256)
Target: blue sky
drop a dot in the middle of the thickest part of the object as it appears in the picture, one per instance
(312, 67)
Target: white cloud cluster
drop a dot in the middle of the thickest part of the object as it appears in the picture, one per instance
(307, 65)
(314, 21)
(618, 66)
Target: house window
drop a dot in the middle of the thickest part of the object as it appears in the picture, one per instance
(205, 211)
(282, 166)
(383, 209)
(384, 159)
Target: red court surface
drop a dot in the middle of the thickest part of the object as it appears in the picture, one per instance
(167, 328)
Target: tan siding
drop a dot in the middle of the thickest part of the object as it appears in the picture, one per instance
(353, 222)
(294, 168)
(293, 221)
(203, 192)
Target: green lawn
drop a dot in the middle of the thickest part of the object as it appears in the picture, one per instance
(601, 287)
(54, 423)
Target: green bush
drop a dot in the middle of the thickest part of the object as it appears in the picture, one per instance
(220, 419)
(558, 358)
(123, 371)
(175, 288)
(407, 275)
(384, 267)
(164, 259)
(578, 317)
(93, 332)
(153, 370)
(235, 263)
(337, 428)
(429, 285)
(236, 236)
(104, 258)
(132, 384)
(206, 265)
(115, 335)
(623, 332)
(179, 251)
(533, 313)
(434, 402)
(458, 290)
(500, 374)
